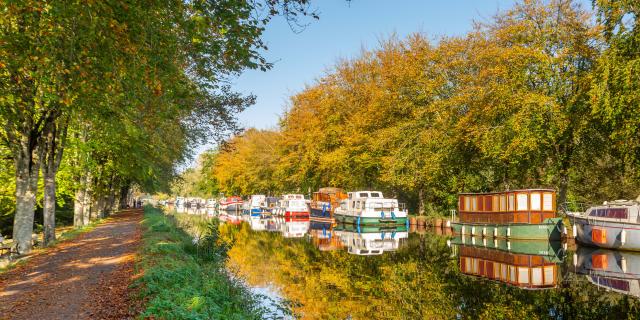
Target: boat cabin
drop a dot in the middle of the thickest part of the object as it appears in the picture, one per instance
(519, 270)
(292, 205)
(328, 198)
(617, 211)
(530, 206)
(257, 200)
(369, 202)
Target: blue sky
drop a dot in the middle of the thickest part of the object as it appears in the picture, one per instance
(343, 30)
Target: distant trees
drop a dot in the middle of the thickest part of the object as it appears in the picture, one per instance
(523, 100)
(124, 88)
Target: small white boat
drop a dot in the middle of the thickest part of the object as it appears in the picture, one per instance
(370, 208)
(292, 205)
(612, 225)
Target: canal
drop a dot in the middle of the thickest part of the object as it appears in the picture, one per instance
(319, 271)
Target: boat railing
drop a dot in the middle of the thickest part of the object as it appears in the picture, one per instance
(573, 208)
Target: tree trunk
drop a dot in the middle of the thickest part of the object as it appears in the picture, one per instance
(78, 206)
(86, 201)
(27, 164)
(49, 209)
(421, 202)
(563, 185)
(56, 136)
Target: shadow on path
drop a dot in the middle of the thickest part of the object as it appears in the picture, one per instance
(84, 278)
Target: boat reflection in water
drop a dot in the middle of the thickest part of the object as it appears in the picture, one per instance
(618, 271)
(524, 264)
(230, 217)
(322, 235)
(256, 223)
(292, 227)
(371, 240)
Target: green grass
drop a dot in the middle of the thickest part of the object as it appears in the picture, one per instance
(183, 281)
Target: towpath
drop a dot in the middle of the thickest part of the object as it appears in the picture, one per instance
(84, 278)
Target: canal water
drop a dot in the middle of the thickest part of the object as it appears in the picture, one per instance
(321, 271)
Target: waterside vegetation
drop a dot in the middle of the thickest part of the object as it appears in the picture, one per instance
(183, 278)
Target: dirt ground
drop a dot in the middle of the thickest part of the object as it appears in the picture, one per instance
(84, 278)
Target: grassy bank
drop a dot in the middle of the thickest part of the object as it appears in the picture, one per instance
(183, 280)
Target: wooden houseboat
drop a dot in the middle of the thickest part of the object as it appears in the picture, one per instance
(618, 271)
(370, 207)
(518, 214)
(324, 202)
(525, 271)
(371, 240)
(613, 225)
(292, 205)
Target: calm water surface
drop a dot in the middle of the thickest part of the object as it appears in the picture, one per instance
(342, 272)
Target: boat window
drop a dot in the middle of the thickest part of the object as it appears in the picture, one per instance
(536, 276)
(618, 284)
(613, 213)
(474, 204)
(375, 195)
(511, 204)
(523, 275)
(467, 203)
(495, 203)
(376, 205)
(503, 202)
(364, 251)
(297, 203)
(535, 202)
(357, 204)
(512, 274)
(547, 202)
(549, 273)
(523, 202)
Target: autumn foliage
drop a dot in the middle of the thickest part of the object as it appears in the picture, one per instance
(517, 102)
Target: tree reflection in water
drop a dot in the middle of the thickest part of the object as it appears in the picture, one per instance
(420, 279)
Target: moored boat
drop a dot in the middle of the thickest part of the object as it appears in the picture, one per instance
(292, 205)
(613, 225)
(519, 214)
(324, 202)
(370, 207)
(255, 205)
(618, 271)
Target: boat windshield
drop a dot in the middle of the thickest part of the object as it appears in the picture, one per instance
(297, 203)
(381, 205)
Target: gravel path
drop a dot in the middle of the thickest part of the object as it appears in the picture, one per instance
(85, 278)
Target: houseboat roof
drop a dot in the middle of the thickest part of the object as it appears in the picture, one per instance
(506, 191)
(329, 190)
(293, 197)
(366, 194)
